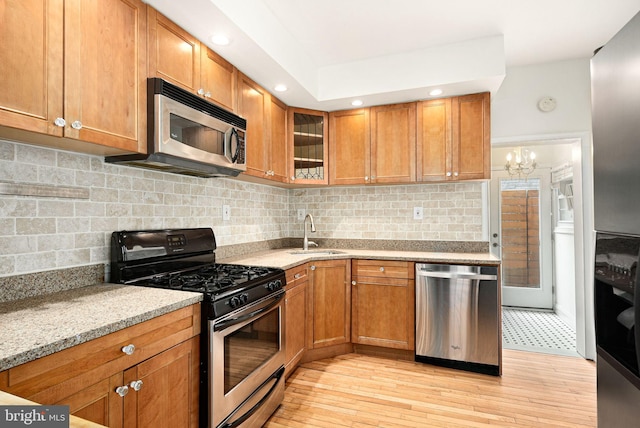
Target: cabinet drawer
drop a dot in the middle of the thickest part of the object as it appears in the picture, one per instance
(60, 374)
(383, 269)
(297, 275)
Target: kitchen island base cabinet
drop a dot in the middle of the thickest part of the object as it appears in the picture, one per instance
(155, 385)
(329, 303)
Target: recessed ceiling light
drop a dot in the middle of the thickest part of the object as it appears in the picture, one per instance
(280, 87)
(220, 39)
(356, 103)
(435, 92)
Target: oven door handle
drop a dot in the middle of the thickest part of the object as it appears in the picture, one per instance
(243, 315)
(277, 375)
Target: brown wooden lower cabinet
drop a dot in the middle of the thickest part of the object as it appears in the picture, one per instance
(164, 368)
(295, 314)
(383, 303)
(329, 303)
(167, 379)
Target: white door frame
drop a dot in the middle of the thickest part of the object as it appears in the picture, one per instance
(583, 227)
(540, 297)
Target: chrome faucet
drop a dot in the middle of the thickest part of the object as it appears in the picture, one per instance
(306, 242)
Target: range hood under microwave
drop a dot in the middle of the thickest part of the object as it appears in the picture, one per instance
(189, 135)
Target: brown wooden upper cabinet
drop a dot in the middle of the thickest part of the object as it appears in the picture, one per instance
(349, 147)
(393, 143)
(308, 136)
(266, 131)
(82, 77)
(179, 58)
(276, 155)
(375, 145)
(453, 139)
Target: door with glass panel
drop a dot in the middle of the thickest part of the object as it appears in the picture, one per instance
(521, 237)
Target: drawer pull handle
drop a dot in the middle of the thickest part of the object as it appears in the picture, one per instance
(313, 267)
(353, 283)
(122, 390)
(297, 276)
(129, 349)
(381, 268)
(136, 385)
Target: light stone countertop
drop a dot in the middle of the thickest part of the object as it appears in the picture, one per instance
(34, 327)
(37, 326)
(282, 258)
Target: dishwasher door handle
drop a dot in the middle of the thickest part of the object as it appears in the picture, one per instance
(457, 275)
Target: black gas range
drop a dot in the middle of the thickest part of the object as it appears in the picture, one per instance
(241, 344)
(184, 259)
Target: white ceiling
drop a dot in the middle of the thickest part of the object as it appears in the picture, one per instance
(329, 52)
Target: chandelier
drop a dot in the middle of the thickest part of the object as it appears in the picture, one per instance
(520, 162)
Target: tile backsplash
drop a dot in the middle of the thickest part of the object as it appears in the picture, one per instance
(59, 229)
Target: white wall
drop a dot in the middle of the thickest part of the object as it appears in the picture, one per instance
(516, 119)
(514, 108)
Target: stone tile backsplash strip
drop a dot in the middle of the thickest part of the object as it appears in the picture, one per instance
(40, 233)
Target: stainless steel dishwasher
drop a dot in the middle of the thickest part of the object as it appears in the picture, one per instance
(458, 317)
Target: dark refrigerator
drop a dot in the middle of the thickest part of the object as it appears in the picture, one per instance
(615, 92)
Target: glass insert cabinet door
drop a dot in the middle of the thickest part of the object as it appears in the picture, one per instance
(308, 136)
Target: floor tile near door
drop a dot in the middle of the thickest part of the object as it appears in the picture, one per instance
(537, 331)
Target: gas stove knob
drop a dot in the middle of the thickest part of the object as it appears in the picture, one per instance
(274, 285)
(234, 302)
(244, 297)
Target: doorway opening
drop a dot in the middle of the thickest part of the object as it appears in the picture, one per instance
(531, 229)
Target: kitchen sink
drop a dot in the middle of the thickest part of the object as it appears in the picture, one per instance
(316, 252)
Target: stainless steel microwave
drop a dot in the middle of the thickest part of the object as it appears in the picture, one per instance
(189, 135)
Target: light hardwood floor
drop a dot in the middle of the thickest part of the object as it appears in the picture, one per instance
(535, 390)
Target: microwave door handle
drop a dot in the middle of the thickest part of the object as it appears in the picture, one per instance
(230, 136)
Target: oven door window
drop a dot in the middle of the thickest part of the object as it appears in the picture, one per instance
(248, 348)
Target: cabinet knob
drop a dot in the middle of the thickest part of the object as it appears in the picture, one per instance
(207, 94)
(353, 283)
(293, 178)
(366, 178)
(122, 390)
(455, 174)
(59, 122)
(76, 124)
(136, 385)
(297, 276)
(373, 177)
(313, 267)
(448, 173)
(129, 349)
(200, 91)
(381, 268)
